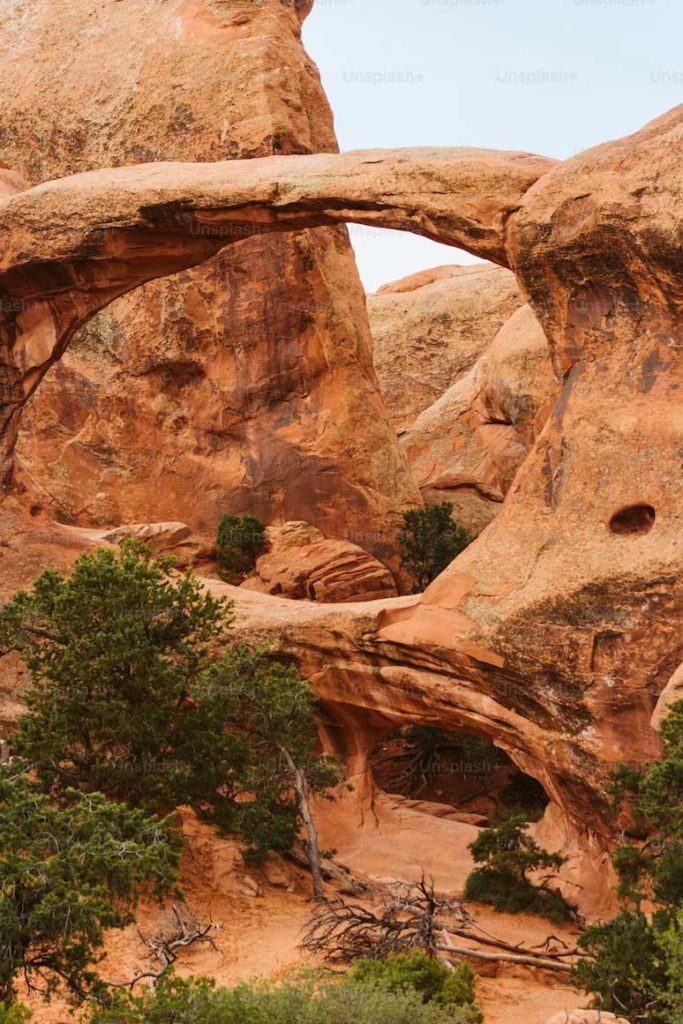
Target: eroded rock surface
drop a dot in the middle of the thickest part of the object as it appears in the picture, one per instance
(302, 564)
(468, 445)
(240, 385)
(430, 328)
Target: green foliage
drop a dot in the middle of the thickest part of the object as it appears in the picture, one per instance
(240, 540)
(67, 874)
(418, 972)
(306, 1001)
(654, 870)
(516, 896)
(635, 962)
(624, 965)
(670, 942)
(522, 794)
(271, 710)
(435, 750)
(14, 1013)
(510, 849)
(507, 853)
(430, 541)
(135, 694)
(432, 744)
(113, 652)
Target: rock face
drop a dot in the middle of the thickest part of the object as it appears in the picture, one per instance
(556, 631)
(240, 385)
(160, 536)
(671, 694)
(468, 445)
(429, 328)
(303, 564)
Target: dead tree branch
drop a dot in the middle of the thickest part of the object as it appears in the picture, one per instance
(458, 952)
(407, 919)
(414, 917)
(185, 930)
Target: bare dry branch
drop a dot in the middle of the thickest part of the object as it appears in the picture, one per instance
(407, 919)
(183, 930)
(415, 917)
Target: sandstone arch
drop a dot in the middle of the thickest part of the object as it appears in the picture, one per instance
(556, 632)
(71, 246)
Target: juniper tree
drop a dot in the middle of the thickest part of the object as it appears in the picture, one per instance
(137, 692)
(66, 875)
(430, 540)
(634, 961)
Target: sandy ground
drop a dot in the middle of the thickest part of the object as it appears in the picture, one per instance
(259, 914)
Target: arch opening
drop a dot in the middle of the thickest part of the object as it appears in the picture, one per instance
(466, 773)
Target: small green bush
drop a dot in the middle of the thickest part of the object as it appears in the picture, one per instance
(508, 893)
(14, 1013)
(305, 1001)
(240, 541)
(507, 853)
(430, 540)
(418, 972)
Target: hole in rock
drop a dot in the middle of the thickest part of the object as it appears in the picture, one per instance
(467, 773)
(633, 519)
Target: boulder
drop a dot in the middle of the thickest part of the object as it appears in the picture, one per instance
(277, 873)
(302, 564)
(160, 536)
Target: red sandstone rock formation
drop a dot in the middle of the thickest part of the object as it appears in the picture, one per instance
(245, 384)
(70, 247)
(302, 564)
(430, 328)
(468, 445)
(555, 632)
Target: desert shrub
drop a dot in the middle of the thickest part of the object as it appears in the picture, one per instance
(421, 973)
(624, 966)
(240, 540)
(14, 1013)
(135, 692)
(66, 875)
(304, 1001)
(430, 540)
(507, 853)
(670, 942)
(634, 965)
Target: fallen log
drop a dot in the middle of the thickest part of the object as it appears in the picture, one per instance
(450, 948)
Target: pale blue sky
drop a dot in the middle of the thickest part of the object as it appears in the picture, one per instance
(547, 76)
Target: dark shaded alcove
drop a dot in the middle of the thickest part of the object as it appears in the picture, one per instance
(633, 519)
(464, 771)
